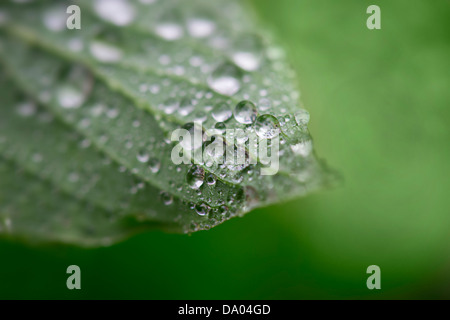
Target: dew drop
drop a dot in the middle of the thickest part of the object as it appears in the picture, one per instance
(222, 112)
(55, 19)
(154, 165)
(200, 27)
(267, 126)
(186, 107)
(248, 53)
(70, 97)
(166, 198)
(302, 117)
(225, 79)
(210, 180)
(105, 52)
(26, 109)
(202, 209)
(195, 177)
(245, 112)
(169, 31)
(118, 12)
(302, 148)
(170, 106)
(143, 156)
(264, 104)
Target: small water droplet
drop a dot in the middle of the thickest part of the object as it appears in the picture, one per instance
(302, 148)
(245, 112)
(70, 97)
(222, 112)
(195, 177)
(105, 52)
(225, 79)
(200, 27)
(211, 180)
(166, 198)
(26, 109)
(302, 117)
(118, 12)
(154, 165)
(170, 106)
(202, 209)
(169, 31)
(264, 104)
(267, 126)
(143, 156)
(55, 19)
(186, 107)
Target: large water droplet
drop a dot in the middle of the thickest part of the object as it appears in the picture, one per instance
(195, 177)
(267, 126)
(225, 79)
(118, 12)
(202, 209)
(105, 52)
(200, 27)
(222, 112)
(245, 112)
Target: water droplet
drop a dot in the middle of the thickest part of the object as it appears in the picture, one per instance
(118, 12)
(70, 97)
(73, 177)
(166, 198)
(220, 126)
(170, 106)
(211, 180)
(302, 117)
(225, 79)
(248, 54)
(169, 31)
(222, 112)
(26, 109)
(247, 60)
(264, 104)
(37, 158)
(200, 27)
(55, 19)
(302, 148)
(245, 112)
(186, 107)
(202, 209)
(105, 52)
(143, 156)
(112, 113)
(154, 165)
(195, 177)
(267, 126)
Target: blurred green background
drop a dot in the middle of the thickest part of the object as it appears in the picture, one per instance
(380, 114)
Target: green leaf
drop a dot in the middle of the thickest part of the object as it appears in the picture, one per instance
(88, 115)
